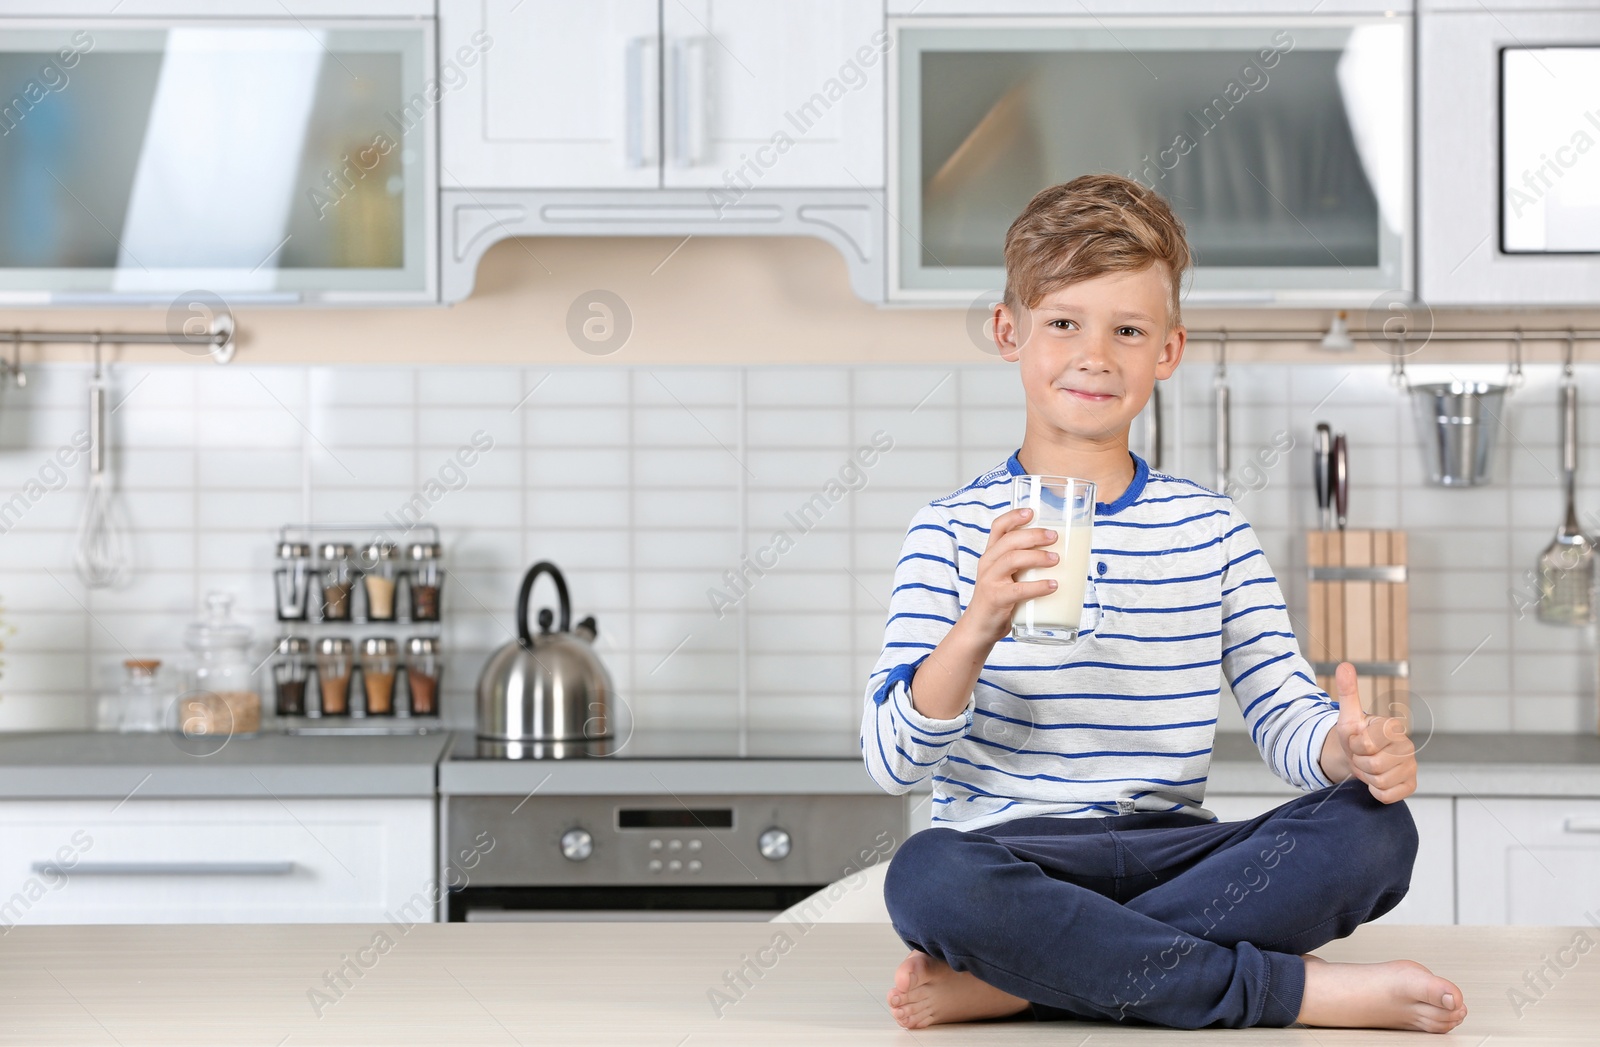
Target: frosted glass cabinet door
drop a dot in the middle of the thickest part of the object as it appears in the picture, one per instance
(560, 95)
(773, 93)
(1284, 146)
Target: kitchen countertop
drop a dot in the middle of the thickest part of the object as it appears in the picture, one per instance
(610, 983)
(160, 766)
(1447, 765)
(87, 764)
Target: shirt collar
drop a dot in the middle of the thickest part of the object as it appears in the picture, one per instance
(1141, 473)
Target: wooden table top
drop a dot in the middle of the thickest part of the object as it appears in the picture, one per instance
(656, 983)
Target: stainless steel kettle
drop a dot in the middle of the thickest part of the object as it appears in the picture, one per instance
(550, 687)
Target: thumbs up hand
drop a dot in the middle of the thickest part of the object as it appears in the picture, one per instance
(1374, 749)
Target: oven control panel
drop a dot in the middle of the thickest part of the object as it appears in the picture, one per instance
(600, 840)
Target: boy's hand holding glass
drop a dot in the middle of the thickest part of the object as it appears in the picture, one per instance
(1015, 545)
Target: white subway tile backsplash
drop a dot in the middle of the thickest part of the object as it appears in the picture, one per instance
(648, 486)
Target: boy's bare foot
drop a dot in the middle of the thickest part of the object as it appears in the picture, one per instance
(927, 992)
(1400, 994)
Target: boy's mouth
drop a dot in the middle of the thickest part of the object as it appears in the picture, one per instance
(1090, 397)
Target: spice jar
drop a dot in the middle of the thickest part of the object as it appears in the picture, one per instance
(427, 577)
(144, 705)
(422, 675)
(377, 674)
(338, 578)
(294, 580)
(222, 697)
(333, 675)
(289, 672)
(379, 579)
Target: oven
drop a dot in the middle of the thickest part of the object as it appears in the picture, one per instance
(1508, 175)
(651, 856)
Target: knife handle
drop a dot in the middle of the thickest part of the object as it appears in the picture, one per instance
(1322, 474)
(1341, 479)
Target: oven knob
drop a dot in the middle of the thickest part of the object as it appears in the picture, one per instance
(577, 844)
(774, 845)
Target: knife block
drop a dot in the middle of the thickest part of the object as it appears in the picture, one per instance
(1358, 613)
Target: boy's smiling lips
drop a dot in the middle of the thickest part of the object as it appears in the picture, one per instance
(1085, 395)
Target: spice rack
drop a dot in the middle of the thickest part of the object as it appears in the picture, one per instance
(364, 626)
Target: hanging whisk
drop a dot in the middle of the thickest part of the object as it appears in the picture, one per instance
(102, 559)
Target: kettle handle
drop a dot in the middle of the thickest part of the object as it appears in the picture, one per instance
(542, 567)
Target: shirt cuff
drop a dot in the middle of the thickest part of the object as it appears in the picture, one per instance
(1319, 738)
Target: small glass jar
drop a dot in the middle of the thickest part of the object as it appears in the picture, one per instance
(333, 659)
(427, 580)
(378, 579)
(338, 579)
(144, 703)
(377, 674)
(294, 580)
(422, 675)
(290, 669)
(222, 697)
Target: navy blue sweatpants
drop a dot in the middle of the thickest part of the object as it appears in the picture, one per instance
(1154, 918)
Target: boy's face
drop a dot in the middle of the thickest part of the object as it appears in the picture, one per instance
(1091, 352)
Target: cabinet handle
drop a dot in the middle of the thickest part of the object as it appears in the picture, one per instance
(1581, 825)
(168, 868)
(688, 101)
(643, 91)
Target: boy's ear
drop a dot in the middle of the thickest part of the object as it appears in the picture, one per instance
(1010, 331)
(1171, 352)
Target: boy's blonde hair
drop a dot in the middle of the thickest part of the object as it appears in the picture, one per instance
(1090, 226)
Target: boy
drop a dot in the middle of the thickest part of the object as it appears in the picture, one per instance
(1073, 872)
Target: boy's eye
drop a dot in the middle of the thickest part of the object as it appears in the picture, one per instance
(1129, 331)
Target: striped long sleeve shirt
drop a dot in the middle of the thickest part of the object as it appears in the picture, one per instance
(1179, 597)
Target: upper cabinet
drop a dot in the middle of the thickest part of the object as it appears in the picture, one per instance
(1283, 144)
(1509, 109)
(266, 160)
(632, 94)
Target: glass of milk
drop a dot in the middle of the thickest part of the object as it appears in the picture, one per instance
(1064, 505)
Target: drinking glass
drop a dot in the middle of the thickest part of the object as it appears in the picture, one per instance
(1064, 505)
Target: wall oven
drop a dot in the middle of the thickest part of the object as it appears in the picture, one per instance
(1509, 154)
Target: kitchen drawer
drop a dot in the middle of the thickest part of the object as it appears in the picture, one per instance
(215, 861)
(1529, 862)
(1432, 897)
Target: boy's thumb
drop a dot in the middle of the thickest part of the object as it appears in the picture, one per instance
(1344, 678)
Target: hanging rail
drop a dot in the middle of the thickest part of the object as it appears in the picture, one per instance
(218, 343)
(1553, 334)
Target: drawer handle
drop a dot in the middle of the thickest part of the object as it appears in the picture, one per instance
(169, 868)
(1582, 825)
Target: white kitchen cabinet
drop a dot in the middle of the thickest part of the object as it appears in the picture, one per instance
(217, 861)
(773, 94)
(1433, 895)
(1529, 861)
(564, 95)
(626, 94)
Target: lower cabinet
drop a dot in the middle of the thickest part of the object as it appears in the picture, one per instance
(217, 861)
(1432, 897)
(1529, 861)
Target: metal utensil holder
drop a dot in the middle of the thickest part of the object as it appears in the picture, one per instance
(1456, 420)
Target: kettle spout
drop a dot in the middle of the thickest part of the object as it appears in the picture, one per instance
(586, 629)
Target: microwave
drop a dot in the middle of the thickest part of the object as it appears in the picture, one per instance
(1284, 144)
(257, 160)
(1509, 155)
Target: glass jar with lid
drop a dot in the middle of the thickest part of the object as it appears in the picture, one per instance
(337, 579)
(220, 696)
(378, 577)
(290, 668)
(427, 578)
(422, 674)
(294, 580)
(334, 664)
